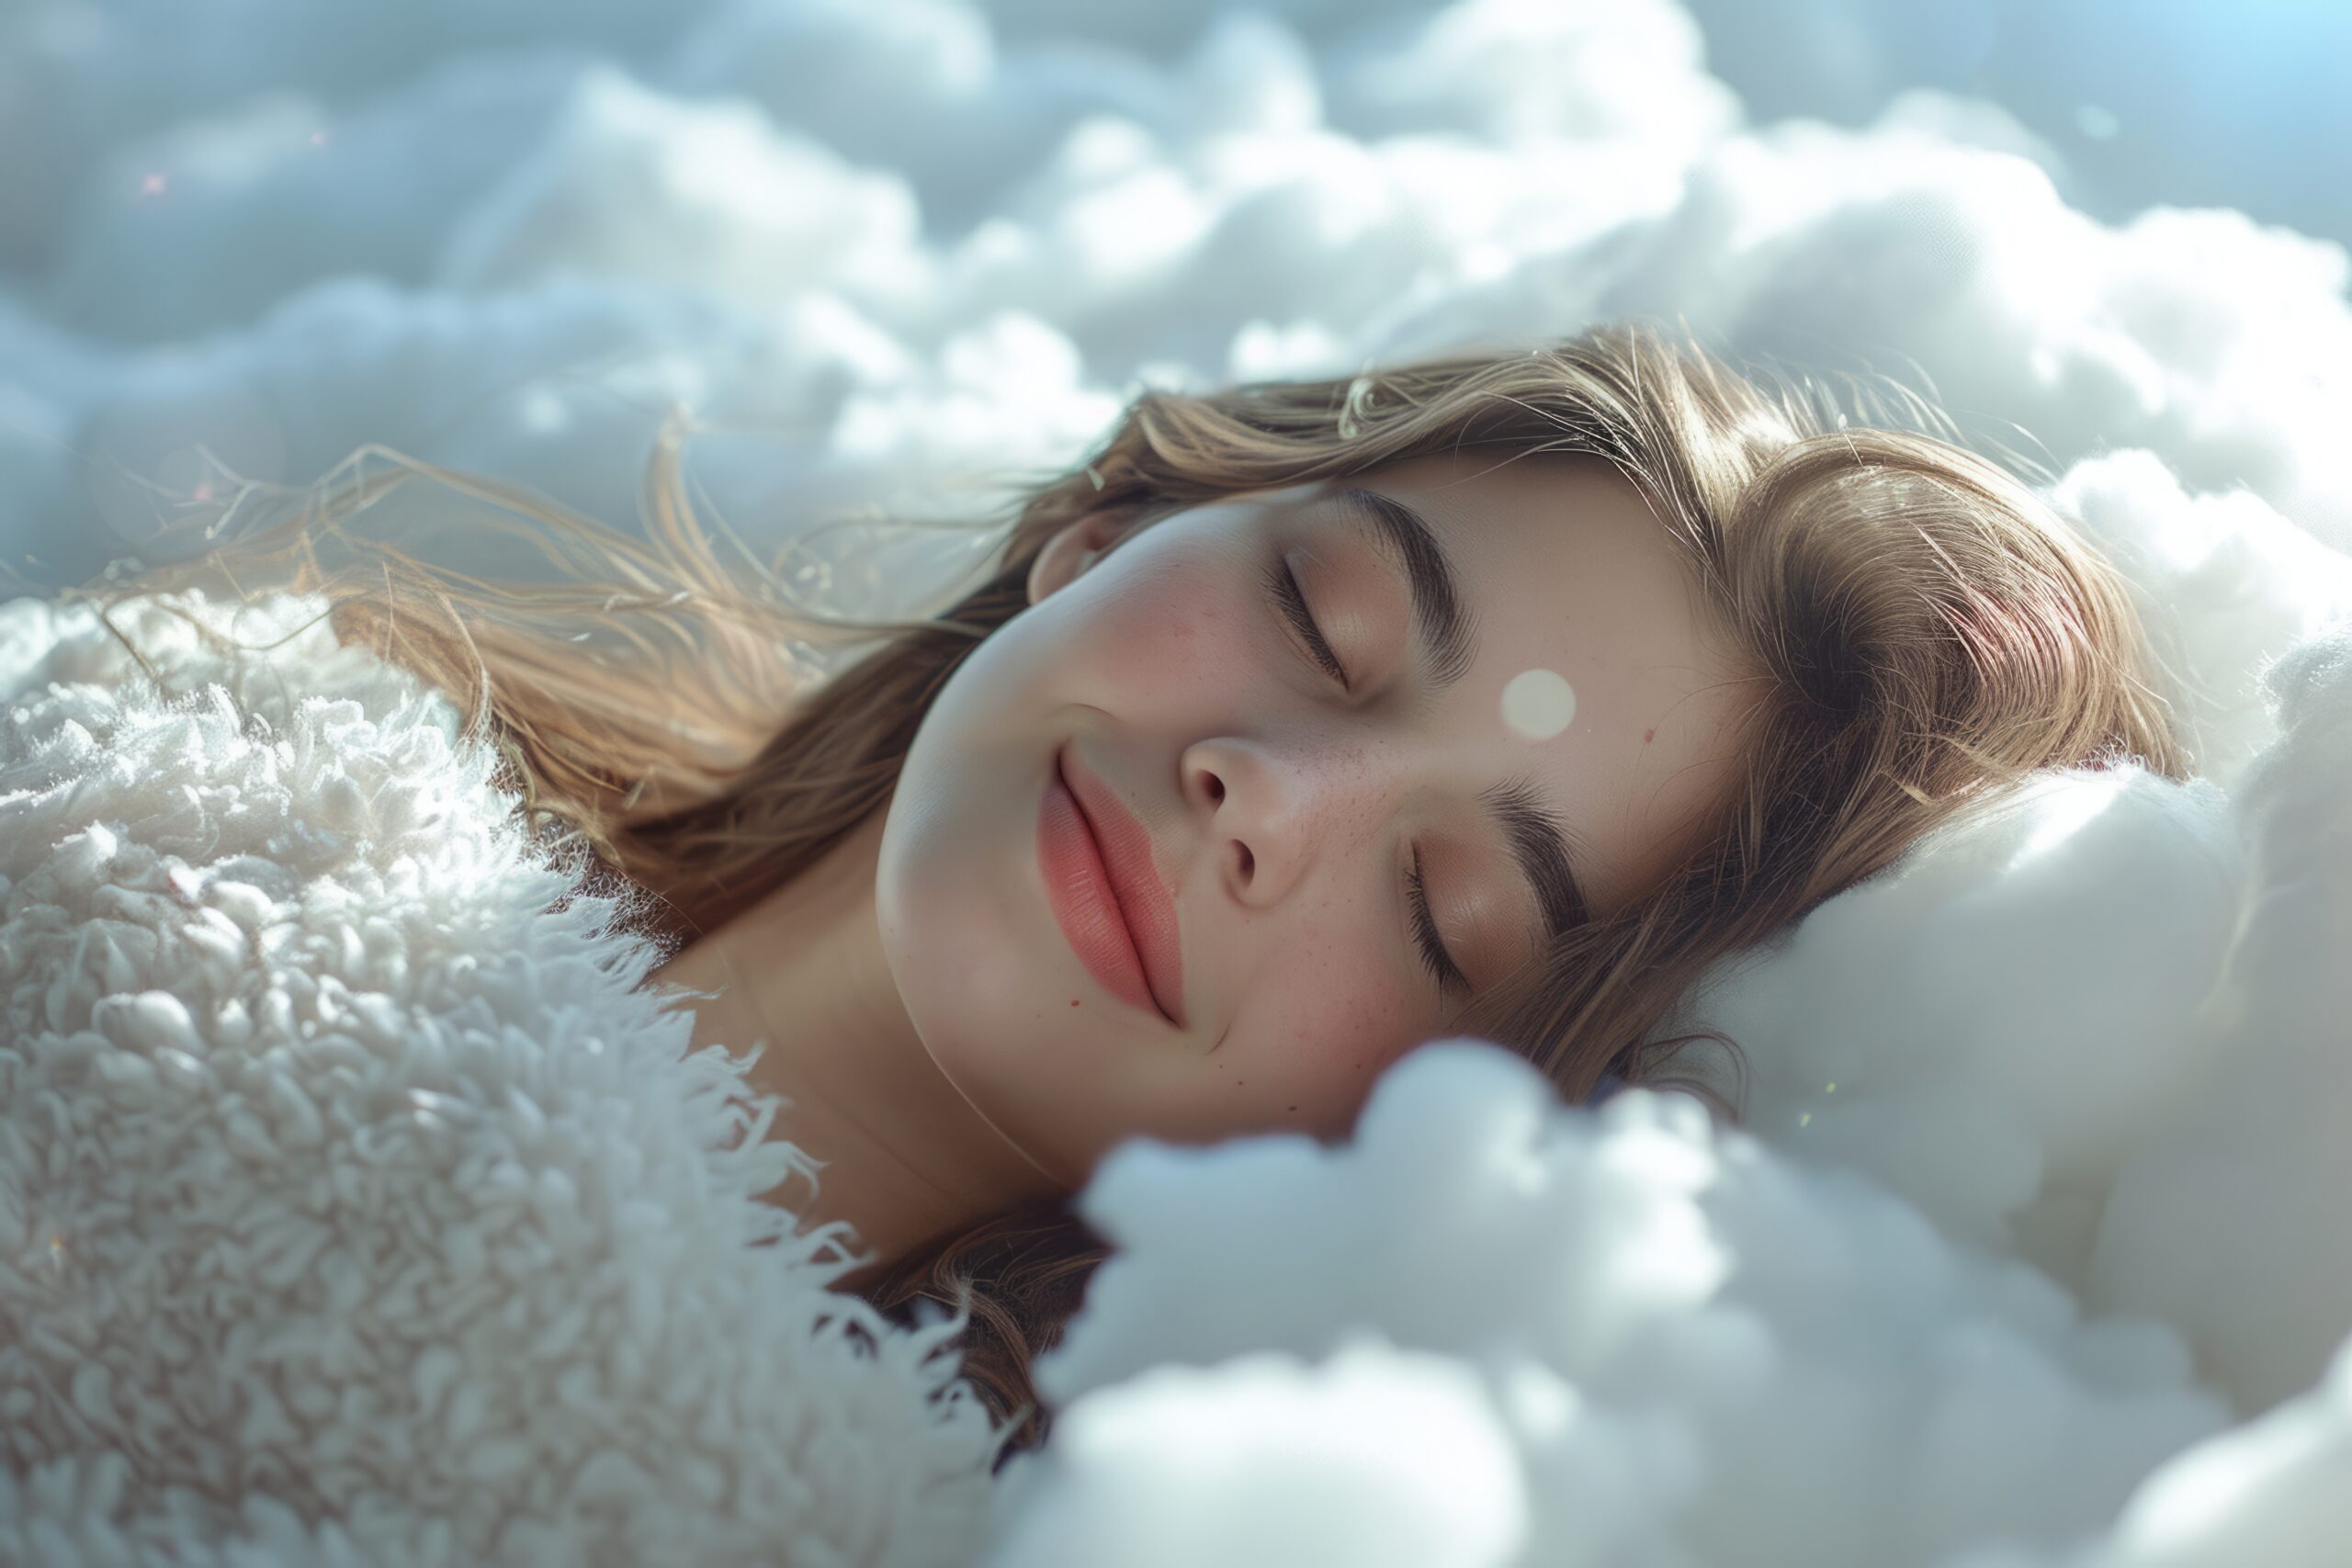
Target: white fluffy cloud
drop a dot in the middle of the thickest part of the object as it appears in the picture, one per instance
(1609, 1337)
(2023, 1259)
(2222, 346)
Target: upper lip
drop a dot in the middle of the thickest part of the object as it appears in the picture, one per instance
(1144, 901)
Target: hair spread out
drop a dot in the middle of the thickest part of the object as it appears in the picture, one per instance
(1925, 630)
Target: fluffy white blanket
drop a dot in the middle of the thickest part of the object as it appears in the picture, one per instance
(355, 1206)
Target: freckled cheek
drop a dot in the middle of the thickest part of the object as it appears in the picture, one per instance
(1332, 1031)
(1180, 638)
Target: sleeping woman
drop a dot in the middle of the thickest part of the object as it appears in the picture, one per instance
(1302, 724)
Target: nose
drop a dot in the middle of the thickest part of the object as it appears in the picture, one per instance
(1266, 810)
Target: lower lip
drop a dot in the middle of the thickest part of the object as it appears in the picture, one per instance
(1079, 890)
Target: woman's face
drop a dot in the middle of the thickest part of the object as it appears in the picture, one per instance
(1210, 748)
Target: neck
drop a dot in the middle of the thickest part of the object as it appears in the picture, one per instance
(905, 1156)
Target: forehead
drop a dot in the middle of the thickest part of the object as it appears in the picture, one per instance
(1569, 574)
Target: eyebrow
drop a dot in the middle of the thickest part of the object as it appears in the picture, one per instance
(1447, 633)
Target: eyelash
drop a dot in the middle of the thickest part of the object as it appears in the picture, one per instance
(1441, 964)
(1282, 584)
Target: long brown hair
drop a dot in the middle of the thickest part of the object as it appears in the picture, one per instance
(1926, 629)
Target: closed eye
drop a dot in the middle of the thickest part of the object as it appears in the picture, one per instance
(1450, 976)
(1282, 582)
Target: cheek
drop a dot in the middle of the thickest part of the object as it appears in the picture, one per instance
(1328, 1029)
(1179, 628)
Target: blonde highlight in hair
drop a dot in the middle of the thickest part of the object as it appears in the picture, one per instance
(1924, 631)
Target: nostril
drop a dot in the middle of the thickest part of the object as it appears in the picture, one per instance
(1249, 862)
(1217, 788)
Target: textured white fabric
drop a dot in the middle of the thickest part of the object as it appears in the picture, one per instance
(354, 1205)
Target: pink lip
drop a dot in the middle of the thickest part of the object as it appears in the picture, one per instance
(1108, 898)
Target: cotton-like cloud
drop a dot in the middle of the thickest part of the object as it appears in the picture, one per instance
(627, 183)
(811, 413)
(2220, 345)
(1509, 71)
(47, 379)
(1989, 1026)
(79, 79)
(1640, 1342)
(2225, 1219)
(2224, 583)
(372, 189)
(920, 86)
